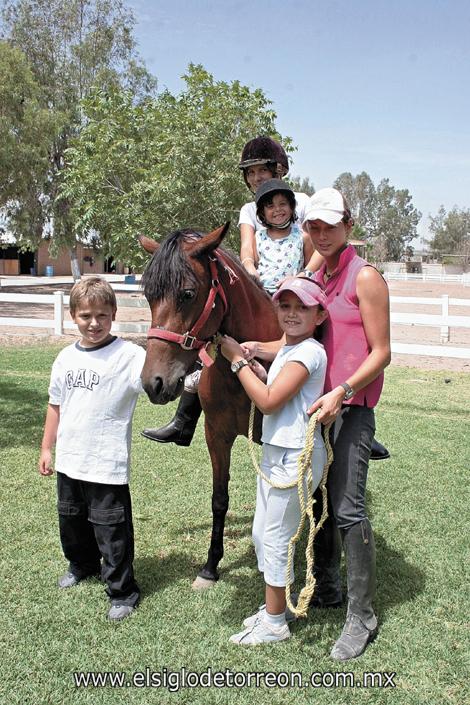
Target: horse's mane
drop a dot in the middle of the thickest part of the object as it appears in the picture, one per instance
(169, 269)
(236, 260)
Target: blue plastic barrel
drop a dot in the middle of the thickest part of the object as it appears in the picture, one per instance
(49, 270)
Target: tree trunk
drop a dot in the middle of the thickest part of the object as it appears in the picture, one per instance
(74, 264)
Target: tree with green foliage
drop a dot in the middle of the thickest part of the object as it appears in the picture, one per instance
(397, 219)
(360, 193)
(451, 234)
(163, 164)
(383, 214)
(302, 185)
(27, 129)
(72, 47)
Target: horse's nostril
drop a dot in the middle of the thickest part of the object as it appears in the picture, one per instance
(158, 384)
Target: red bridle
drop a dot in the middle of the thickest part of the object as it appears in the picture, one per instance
(189, 340)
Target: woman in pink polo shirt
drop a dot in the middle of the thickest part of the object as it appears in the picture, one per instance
(357, 343)
(356, 339)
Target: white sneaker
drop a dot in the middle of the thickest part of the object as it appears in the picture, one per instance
(260, 633)
(290, 616)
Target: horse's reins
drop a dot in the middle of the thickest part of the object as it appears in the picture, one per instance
(304, 471)
(189, 340)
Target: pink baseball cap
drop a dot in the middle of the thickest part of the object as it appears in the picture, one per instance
(308, 291)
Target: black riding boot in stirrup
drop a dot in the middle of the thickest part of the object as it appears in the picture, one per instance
(378, 451)
(361, 623)
(181, 428)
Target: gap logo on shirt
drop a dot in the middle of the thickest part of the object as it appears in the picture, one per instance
(86, 379)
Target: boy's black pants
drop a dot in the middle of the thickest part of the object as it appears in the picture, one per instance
(95, 522)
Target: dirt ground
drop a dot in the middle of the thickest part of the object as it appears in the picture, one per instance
(424, 335)
(459, 337)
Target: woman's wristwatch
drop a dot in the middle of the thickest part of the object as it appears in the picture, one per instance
(307, 273)
(236, 366)
(349, 391)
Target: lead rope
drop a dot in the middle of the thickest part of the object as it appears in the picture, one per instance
(304, 471)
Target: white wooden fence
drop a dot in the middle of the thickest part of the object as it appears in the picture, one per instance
(59, 300)
(444, 321)
(424, 276)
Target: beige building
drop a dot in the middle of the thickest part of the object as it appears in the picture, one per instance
(13, 262)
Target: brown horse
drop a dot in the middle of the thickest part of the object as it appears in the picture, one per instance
(195, 290)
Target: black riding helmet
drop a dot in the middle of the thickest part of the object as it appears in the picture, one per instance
(264, 150)
(265, 194)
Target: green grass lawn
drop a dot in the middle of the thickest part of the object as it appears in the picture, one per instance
(419, 506)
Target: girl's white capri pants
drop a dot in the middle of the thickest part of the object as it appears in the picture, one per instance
(277, 512)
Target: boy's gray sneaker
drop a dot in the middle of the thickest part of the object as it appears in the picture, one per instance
(68, 580)
(118, 612)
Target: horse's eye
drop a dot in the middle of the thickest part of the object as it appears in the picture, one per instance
(187, 295)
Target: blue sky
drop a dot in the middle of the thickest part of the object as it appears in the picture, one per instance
(374, 86)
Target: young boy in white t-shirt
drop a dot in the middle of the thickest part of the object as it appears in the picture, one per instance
(93, 391)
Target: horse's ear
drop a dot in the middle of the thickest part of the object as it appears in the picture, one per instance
(148, 244)
(209, 242)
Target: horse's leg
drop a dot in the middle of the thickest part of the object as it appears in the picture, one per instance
(220, 448)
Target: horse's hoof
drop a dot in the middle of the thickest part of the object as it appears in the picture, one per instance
(202, 583)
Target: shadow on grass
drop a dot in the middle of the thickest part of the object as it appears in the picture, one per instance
(23, 413)
(155, 573)
(398, 582)
(231, 530)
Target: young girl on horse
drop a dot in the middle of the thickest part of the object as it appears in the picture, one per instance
(281, 249)
(296, 376)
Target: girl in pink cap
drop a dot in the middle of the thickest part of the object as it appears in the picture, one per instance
(296, 377)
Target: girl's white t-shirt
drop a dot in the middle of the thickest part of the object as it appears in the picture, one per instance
(288, 426)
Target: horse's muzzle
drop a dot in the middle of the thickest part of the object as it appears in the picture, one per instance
(160, 393)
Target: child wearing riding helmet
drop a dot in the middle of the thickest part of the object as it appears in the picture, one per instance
(296, 376)
(262, 159)
(281, 249)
